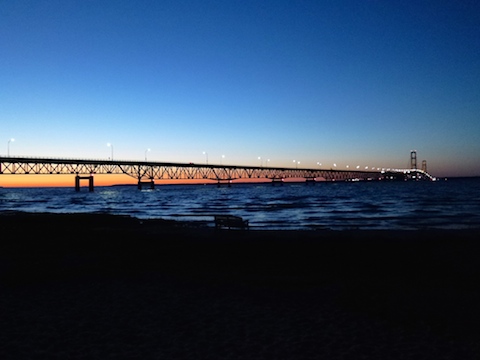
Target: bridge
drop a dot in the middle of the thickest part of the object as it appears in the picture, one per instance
(146, 172)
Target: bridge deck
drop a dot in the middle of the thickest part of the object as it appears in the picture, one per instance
(148, 170)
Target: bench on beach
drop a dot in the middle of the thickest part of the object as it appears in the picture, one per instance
(230, 221)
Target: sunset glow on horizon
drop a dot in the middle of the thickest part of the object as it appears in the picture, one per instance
(26, 181)
(355, 84)
(31, 180)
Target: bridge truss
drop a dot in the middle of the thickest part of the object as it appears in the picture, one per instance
(145, 171)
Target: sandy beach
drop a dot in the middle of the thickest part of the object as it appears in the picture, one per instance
(100, 287)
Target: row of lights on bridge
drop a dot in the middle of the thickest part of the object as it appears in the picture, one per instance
(297, 163)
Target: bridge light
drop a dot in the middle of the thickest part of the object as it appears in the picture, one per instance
(206, 157)
(110, 146)
(146, 154)
(358, 166)
(8, 145)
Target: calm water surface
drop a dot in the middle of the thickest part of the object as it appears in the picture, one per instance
(363, 205)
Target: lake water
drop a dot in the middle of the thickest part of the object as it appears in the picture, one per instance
(336, 205)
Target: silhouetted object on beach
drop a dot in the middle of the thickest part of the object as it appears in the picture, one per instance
(230, 221)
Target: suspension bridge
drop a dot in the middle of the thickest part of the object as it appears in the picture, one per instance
(147, 172)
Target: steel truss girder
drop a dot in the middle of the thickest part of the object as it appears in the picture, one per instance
(143, 170)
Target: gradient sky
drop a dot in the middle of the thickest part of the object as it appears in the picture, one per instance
(345, 82)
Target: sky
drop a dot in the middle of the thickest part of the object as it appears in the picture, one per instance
(359, 82)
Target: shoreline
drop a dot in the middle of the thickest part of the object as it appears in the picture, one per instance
(182, 221)
(179, 245)
(103, 286)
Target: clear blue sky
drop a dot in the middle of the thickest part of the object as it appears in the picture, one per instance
(348, 82)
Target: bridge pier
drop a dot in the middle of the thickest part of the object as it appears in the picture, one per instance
(90, 182)
(150, 184)
(277, 180)
(227, 182)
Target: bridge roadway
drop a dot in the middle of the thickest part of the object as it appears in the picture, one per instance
(146, 172)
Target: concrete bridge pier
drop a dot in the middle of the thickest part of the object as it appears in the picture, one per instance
(277, 181)
(221, 182)
(150, 184)
(90, 182)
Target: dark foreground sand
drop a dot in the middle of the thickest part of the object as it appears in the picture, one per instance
(105, 287)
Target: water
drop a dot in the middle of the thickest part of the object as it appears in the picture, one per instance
(364, 205)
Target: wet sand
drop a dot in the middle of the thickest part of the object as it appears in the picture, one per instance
(100, 287)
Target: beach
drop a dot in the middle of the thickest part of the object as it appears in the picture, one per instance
(91, 286)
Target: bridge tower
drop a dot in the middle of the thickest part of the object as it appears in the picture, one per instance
(413, 159)
(424, 165)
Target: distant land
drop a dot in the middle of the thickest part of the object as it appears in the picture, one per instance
(159, 183)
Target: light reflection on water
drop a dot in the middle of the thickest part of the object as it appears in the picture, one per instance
(372, 205)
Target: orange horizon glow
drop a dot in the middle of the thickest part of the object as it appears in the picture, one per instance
(32, 180)
(61, 180)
